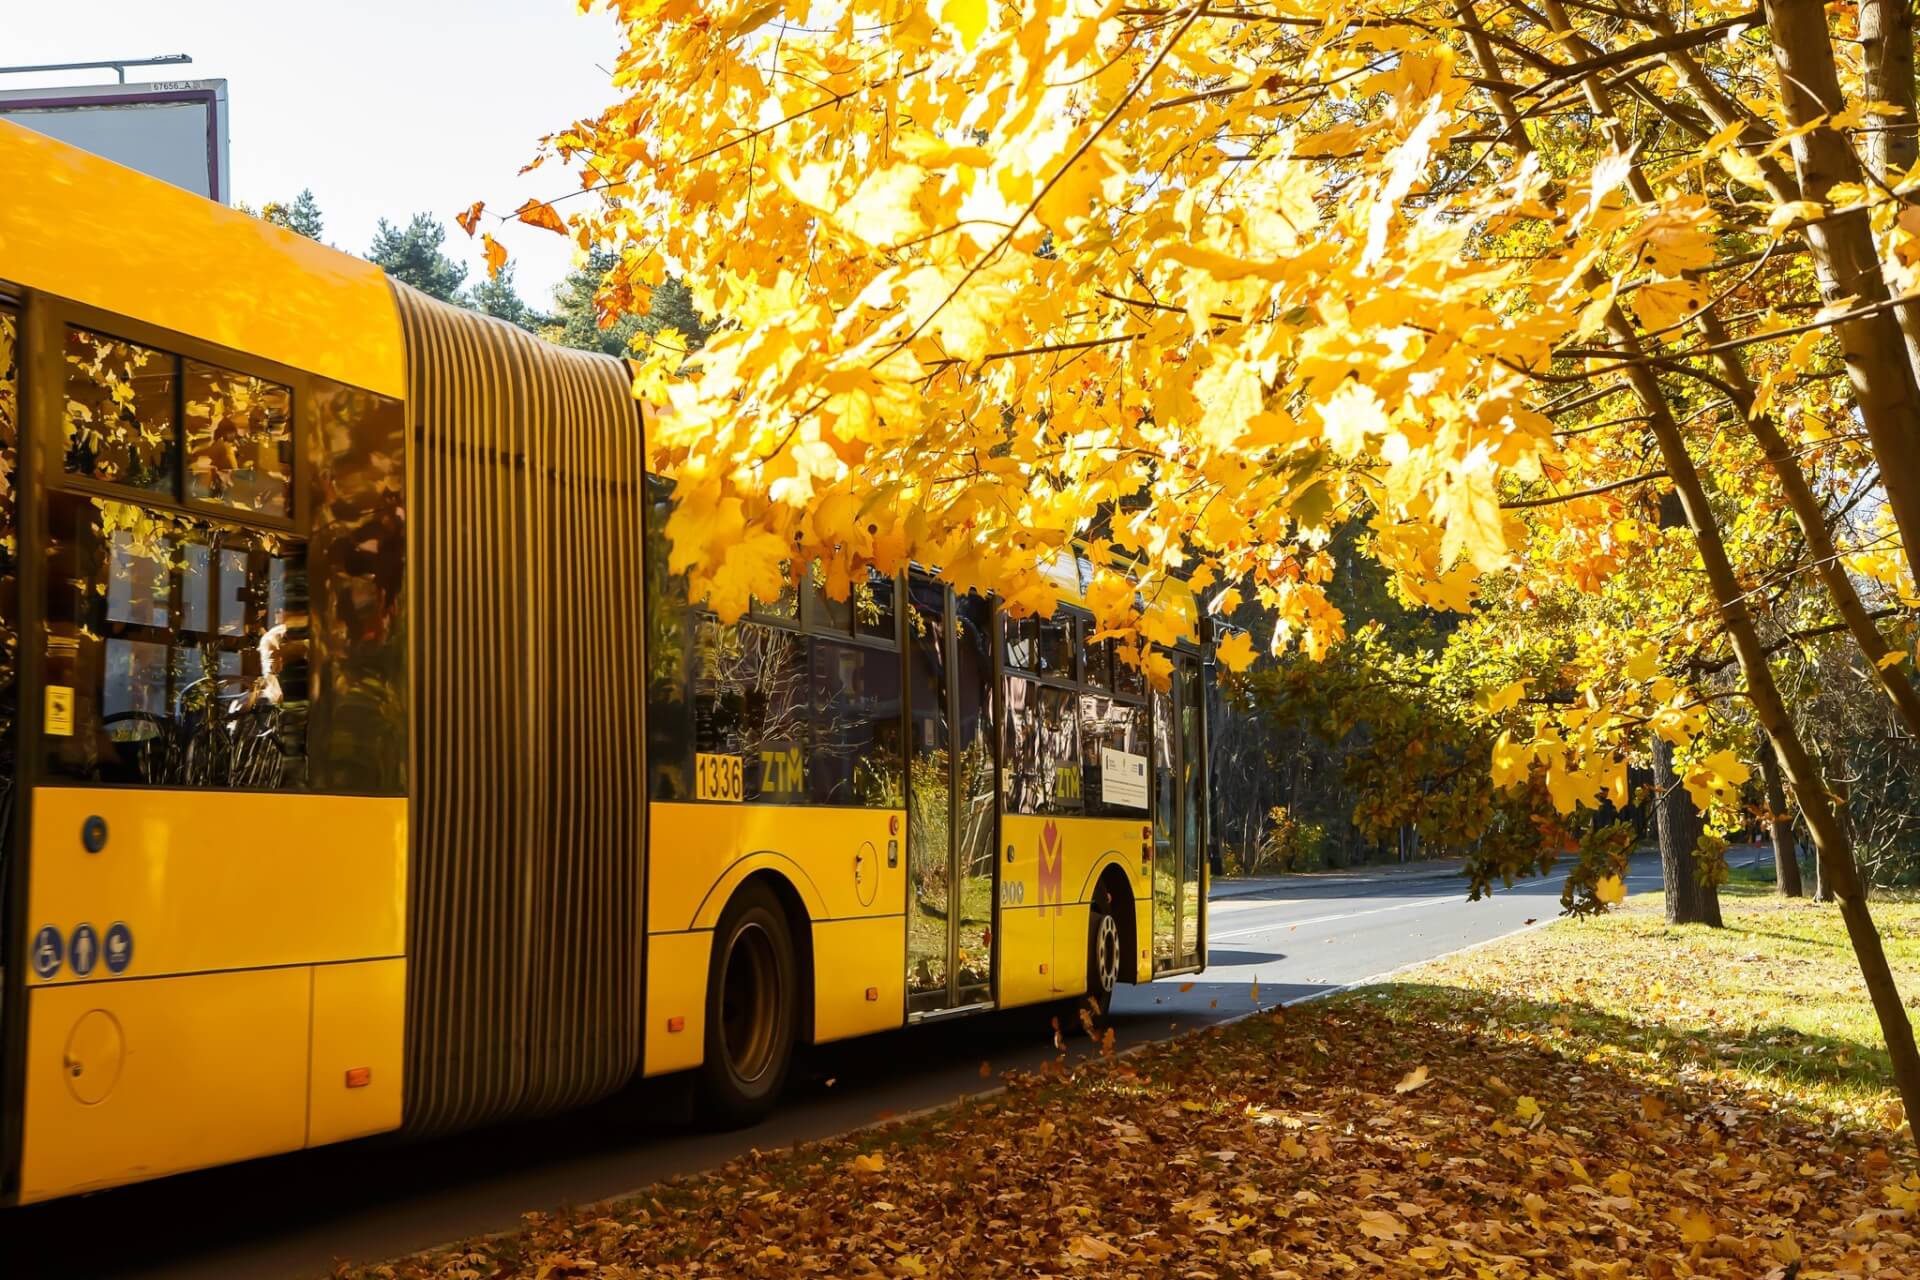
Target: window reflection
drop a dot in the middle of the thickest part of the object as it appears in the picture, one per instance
(1042, 748)
(158, 697)
(9, 598)
(120, 412)
(356, 460)
(750, 700)
(239, 434)
(856, 731)
(1055, 645)
(1108, 725)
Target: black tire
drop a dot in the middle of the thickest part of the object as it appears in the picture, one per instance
(1105, 957)
(753, 980)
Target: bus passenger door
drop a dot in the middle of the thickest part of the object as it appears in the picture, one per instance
(1179, 820)
(951, 784)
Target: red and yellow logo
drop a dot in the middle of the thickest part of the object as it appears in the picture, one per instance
(1052, 863)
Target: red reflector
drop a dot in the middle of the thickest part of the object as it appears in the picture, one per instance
(873, 993)
(676, 1024)
(893, 824)
(359, 1077)
(1043, 966)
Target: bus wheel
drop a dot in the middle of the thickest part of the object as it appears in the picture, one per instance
(751, 1002)
(1103, 953)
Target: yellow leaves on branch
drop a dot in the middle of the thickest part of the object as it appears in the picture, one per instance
(1716, 779)
(985, 280)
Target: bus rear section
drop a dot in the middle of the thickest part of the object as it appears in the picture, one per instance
(206, 862)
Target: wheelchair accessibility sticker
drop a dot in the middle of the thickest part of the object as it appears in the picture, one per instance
(47, 951)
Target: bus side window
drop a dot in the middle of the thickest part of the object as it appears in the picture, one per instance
(856, 729)
(750, 686)
(1041, 748)
(120, 412)
(1108, 724)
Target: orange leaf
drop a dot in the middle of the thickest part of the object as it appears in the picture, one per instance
(496, 254)
(536, 214)
(471, 218)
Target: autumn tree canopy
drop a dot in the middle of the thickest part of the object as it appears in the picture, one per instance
(1584, 310)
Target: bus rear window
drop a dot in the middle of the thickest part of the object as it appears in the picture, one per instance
(120, 399)
(178, 648)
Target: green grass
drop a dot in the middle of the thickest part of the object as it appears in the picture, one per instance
(1774, 1001)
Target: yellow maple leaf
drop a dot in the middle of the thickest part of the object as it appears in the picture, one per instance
(870, 1163)
(965, 18)
(1412, 1080)
(1661, 304)
(496, 254)
(536, 213)
(1235, 652)
(1500, 700)
(1696, 1226)
(1527, 1109)
(1717, 777)
(1092, 1249)
(1381, 1225)
(1610, 890)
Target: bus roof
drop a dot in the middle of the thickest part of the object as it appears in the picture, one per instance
(86, 229)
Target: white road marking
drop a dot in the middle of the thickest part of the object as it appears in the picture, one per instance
(1374, 911)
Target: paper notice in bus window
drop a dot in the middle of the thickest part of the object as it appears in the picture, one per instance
(1123, 778)
(59, 714)
(718, 777)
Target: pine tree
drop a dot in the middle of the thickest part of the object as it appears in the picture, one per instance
(413, 255)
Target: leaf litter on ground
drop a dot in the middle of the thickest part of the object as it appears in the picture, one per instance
(1597, 1100)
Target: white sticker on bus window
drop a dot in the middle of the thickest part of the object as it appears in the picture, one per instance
(1123, 778)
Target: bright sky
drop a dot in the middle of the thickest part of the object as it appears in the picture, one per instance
(383, 107)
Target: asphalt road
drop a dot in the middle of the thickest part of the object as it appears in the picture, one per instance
(294, 1216)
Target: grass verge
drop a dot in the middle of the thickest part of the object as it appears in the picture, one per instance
(1603, 1099)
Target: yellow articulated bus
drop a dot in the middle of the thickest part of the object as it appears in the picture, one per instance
(364, 771)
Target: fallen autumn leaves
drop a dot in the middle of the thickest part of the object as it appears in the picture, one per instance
(1415, 1130)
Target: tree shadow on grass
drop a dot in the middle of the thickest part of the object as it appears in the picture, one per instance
(1773, 1051)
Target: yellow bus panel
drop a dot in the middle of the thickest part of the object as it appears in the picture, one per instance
(132, 1080)
(836, 859)
(221, 880)
(87, 229)
(676, 1031)
(359, 1022)
(1045, 888)
(1027, 951)
(859, 976)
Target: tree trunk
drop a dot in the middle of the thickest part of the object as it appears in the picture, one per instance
(1689, 901)
(1807, 510)
(1836, 857)
(1786, 855)
(1886, 47)
(1829, 836)
(1876, 346)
